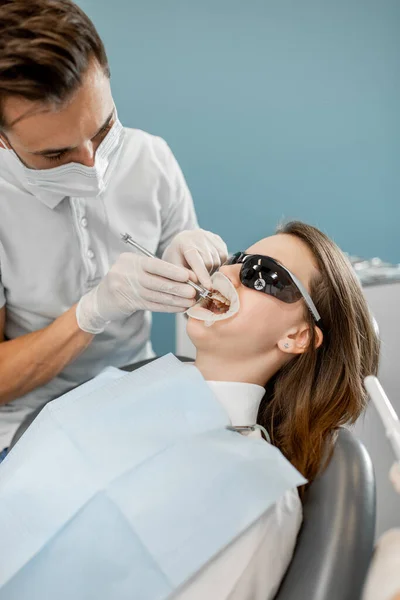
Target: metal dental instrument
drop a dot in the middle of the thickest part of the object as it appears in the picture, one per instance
(386, 412)
(203, 293)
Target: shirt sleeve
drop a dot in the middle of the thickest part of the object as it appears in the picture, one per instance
(252, 567)
(176, 203)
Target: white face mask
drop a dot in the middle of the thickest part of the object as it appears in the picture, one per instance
(72, 179)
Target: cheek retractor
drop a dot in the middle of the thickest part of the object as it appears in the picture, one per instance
(221, 285)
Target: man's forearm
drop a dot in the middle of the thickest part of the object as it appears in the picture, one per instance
(32, 360)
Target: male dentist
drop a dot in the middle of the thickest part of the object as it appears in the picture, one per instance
(72, 178)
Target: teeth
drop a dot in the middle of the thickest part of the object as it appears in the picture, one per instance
(217, 296)
(225, 293)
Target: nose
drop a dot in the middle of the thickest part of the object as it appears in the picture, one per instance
(86, 154)
(233, 273)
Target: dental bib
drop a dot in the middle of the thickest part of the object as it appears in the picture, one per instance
(127, 486)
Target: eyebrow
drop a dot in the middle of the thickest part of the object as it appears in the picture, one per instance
(68, 148)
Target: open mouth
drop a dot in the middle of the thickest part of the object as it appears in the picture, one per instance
(223, 304)
(218, 304)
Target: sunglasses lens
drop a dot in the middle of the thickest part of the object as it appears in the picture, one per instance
(264, 275)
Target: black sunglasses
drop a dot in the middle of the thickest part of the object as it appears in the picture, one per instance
(267, 275)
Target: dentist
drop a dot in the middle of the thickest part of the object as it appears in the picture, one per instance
(72, 178)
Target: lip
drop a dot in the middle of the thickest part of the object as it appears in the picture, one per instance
(221, 286)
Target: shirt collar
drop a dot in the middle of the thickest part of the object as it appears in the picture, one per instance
(240, 400)
(49, 199)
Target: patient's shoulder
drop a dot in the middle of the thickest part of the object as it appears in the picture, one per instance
(281, 523)
(266, 549)
(289, 505)
(253, 565)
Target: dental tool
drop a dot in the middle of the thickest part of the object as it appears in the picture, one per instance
(386, 412)
(222, 286)
(128, 239)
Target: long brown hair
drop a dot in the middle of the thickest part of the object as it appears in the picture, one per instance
(319, 391)
(45, 49)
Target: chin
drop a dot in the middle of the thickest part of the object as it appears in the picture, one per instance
(208, 337)
(197, 331)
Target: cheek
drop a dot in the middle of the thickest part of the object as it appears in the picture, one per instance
(256, 327)
(40, 163)
(260, 323)
(36, 162)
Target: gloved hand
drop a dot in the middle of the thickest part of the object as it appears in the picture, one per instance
(202, 251)
(135, 283)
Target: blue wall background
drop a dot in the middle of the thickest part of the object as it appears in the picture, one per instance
(274, 108)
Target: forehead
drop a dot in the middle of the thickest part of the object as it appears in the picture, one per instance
(40, 126)
(291, 252)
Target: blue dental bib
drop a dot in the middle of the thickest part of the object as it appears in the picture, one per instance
(127, 486)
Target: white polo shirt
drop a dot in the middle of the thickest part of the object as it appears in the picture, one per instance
(53, 250)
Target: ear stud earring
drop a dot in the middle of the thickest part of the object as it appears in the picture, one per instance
(286, 345)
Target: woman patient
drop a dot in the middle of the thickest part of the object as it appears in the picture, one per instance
(290, 342)
(310, 349)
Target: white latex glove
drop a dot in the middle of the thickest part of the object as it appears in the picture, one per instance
(135, 283)
(201, 251)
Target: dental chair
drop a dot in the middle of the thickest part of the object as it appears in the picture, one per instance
(336, 540)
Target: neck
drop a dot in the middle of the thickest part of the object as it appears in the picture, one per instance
(213, 367)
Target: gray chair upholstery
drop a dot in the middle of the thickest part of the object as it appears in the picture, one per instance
(335, 544)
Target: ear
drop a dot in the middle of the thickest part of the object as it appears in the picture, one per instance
(297, 340)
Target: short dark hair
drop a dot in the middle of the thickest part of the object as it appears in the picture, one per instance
(45, 49)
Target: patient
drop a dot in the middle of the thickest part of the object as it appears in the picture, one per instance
(311, 356)
(290, 346)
